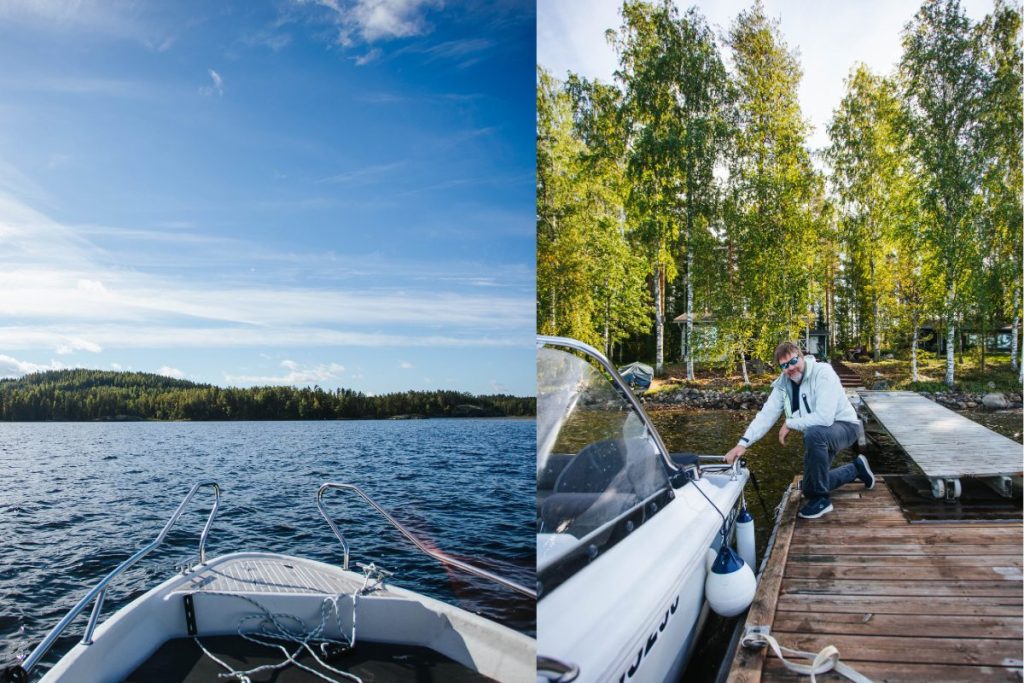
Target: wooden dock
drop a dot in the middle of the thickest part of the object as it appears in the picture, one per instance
(902, 602)
(943, 443)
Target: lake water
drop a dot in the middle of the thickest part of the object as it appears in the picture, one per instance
(79, 498)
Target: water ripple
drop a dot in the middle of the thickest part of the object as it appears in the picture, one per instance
(91, 494)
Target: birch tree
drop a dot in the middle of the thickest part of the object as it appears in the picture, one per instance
(1002, 183)
(943, 82)
(771, 190)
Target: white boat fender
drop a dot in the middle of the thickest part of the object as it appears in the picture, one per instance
(745, 544)
(730, 586)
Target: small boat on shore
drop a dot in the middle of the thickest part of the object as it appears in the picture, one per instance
(632, 540)
(254, 616)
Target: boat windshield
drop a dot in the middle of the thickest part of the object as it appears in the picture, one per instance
(596, 459)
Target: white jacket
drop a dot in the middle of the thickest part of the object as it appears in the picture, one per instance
(822, 402)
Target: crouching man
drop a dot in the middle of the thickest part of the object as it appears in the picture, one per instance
(814, 402)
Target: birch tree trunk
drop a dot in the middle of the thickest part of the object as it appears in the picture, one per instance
(876, 336)
(743, 365)
(689, 314)
(659, 324)
(1013, 333)
(913, 352)
(950, 339)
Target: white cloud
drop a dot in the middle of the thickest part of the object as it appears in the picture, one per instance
(374, 20)
(406, 365)
(168, 371)
(77, 344)
(12, 367)
(116, 366)
(371, 56)
(217, 88)
(60, 293)
(297, 375)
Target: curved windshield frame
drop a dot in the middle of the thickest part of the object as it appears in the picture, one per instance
(598, 460)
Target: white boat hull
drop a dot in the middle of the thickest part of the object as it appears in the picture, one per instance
(633, 616)
(297, 587)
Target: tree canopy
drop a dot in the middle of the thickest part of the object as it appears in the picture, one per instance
(105, 395)
(692, 174)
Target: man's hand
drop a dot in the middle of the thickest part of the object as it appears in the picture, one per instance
(783, 433)
(736, 452)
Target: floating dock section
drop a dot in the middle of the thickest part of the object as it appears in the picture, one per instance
(901, 602)
(944, 444)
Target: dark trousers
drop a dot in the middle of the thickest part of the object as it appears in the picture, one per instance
(821, 444)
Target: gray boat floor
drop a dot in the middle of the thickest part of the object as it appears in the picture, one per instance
(181, 661)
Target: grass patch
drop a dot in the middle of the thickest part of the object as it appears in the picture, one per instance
(967, 374)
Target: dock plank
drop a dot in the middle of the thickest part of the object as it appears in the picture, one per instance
(901, 602)
(906, 673)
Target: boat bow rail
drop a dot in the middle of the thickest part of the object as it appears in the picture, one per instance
(435, 554)
(18, 673)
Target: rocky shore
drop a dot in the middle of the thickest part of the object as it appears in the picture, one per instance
(753, 400)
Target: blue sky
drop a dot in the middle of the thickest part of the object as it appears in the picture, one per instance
(332, 192)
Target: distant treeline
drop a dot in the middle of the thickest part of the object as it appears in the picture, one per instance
(105, 395)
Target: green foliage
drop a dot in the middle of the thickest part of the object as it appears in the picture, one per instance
(590, 285)
(104, 395)
(696, 182)
(770, 229)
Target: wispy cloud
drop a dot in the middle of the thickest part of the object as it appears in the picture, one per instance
(362, 175)
(273, 40)
(135, 336)
(173, 373)
(59, 294)
(296, 375)
(114, 18)
(370, 21)
(380, 98)
(465, 52)
(406, 365)
(371, 56)
(217, 86)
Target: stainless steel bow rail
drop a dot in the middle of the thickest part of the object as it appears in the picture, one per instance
(19, 673)
(437, 555)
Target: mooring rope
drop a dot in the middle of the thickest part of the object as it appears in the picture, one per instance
(821, 662)
(271, 631)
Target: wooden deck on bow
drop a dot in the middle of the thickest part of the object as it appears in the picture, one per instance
(902, 602)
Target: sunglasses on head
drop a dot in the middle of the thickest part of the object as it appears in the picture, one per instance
(790, 363)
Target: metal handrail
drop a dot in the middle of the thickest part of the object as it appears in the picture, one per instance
(99, 590)
(436, 554)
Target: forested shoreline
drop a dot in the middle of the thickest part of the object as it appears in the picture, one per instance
(686, 191)
(87, 395)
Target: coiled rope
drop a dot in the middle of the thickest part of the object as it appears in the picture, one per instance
(821, 662)
(272, 631)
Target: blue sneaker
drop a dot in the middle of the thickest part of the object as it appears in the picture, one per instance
(864, 472)
(815, 508)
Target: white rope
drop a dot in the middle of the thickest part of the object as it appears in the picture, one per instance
(821, 662)
(279, 632)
